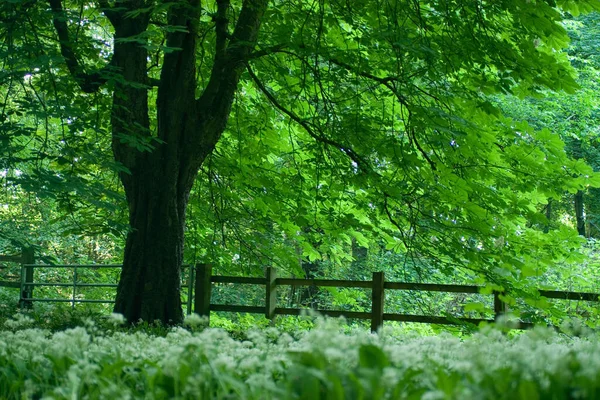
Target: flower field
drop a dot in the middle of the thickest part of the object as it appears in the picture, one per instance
(328, 362)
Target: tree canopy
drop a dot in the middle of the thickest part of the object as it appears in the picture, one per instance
(291, 128)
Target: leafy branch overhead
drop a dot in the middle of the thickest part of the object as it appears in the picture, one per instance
(295, 126)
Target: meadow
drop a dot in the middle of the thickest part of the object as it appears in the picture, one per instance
(100, 359)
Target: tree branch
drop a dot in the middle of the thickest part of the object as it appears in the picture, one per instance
(89, 83)
(110, 12)
(393, 221)
(215, 103)
(353, 155)
(267, 51)
(221, 26)
(423, 152)
(386, 81)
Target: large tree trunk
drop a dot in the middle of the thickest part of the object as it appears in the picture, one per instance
(188, 129)
(149, 288)
(160, 166)
(158, 189)
(159, 181)
(150, 279)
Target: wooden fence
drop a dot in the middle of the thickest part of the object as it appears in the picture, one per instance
(26, 282)
(378, 285)
(27, 257)
(200, 280)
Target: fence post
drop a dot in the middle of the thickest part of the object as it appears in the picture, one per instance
(271, 293)
(499, 305)
(202, 289)
(27, 257)
(378, 298)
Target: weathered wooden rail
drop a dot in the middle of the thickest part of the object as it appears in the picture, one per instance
(378, 286)
(27, 257)
(200, 281)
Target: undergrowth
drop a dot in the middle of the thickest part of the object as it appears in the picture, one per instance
(101, 359)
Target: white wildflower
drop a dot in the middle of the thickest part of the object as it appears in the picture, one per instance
(116, 319)
(196, 321)
(19, 321)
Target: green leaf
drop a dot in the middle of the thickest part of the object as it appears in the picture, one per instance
(372, 357)
(475, 306)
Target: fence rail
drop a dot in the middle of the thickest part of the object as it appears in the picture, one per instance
(200, 280)
(26, 282)
(27, 286)
(16, 259)
(378, 286)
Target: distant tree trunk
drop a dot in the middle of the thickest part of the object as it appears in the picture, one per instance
(548, 215)
(592, 207)
(308, 294)
(579, 213)
(294, 292)
(359, 254)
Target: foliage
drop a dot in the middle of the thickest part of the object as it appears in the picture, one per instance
(325, 363)
(59, 189)
(358, 121)
(444, 178)
(574, 118)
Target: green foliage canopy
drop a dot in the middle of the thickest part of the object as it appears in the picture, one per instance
(380, 129)
(366, 121)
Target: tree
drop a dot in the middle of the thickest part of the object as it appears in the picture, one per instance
(157, 183)
(574, 118)
(390, 96)
(54, 179)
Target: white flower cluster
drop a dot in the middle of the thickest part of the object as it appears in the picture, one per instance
(19, 321)
(329, 361)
